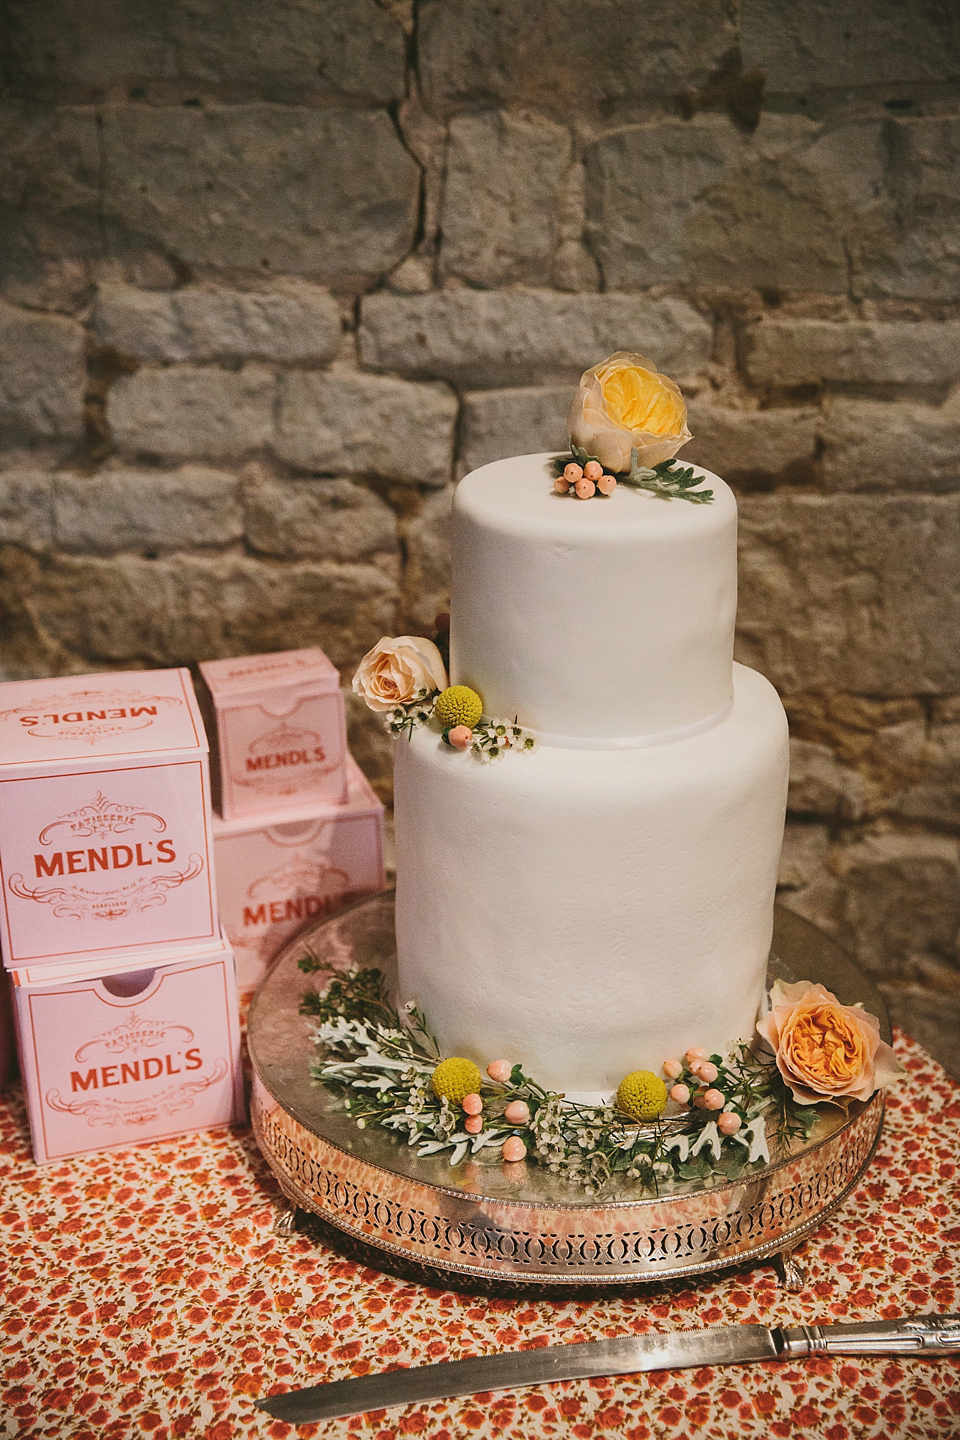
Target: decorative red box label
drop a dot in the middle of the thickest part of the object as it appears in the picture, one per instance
(275, 874)
(117, 1058)
(296, 760)
(139, 712)
(104, 818)
(280, 732)
(104, 861)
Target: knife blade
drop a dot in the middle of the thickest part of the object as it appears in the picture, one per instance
(625, 1355)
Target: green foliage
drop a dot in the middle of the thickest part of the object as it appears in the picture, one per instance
(576, 454)
(354, 994)
(668, 481)
(382, 1062)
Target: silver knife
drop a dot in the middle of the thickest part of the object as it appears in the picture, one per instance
(733, 1345)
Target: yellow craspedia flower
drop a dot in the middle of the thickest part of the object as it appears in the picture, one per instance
(455, 1078)
(458, 705)
(641, 1095)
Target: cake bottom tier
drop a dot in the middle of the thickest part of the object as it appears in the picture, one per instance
(591, 912)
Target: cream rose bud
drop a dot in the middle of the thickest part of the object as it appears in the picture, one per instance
(623, 405)
(395, 672)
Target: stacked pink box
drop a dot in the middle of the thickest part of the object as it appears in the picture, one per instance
(108, 919)
(278, 732)
(300, 832)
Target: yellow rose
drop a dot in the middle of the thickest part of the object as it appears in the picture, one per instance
(395, 672)
(825, 1050)
(624, 405)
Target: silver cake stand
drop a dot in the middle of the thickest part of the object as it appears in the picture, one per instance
(518, 1224)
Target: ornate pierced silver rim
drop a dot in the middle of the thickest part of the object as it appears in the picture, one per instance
(516, 1222)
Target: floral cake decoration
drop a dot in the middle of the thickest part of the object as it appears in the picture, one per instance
(706, 1115)
(405, 680)
(626, 424)
(824, 1050)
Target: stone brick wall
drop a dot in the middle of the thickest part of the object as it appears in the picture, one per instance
(274, 275)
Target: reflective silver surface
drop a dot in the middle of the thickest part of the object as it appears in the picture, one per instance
(626, 1355)
(913, 1335)
(519, 1222)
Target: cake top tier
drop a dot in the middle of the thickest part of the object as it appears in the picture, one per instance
(517, 496)
(601, 621)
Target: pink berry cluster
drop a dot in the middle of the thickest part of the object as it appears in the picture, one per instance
(585, 480)
(516, 1113)
(701, 1069)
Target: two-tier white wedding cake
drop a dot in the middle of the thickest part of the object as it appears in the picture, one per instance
(607, 901)
(600, 899)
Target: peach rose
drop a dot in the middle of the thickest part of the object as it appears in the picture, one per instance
(825, 1050)
(395, 672)
(624, 405)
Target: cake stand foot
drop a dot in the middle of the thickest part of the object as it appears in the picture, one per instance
(285, 1224)
(790, 1272)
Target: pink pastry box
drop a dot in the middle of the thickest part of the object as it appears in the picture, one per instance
(279, 731)
(113, 1055)
(276, 873)
(105, 842)
(8, 1047)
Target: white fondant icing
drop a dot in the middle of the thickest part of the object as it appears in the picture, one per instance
(631, 742)
(589, 912)
(604, 617)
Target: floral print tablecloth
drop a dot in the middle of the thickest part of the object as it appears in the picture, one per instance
(144, 1292)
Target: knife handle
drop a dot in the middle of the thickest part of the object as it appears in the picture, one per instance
(929, 1334)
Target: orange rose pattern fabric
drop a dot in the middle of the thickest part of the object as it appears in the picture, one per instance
(144, 1293)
